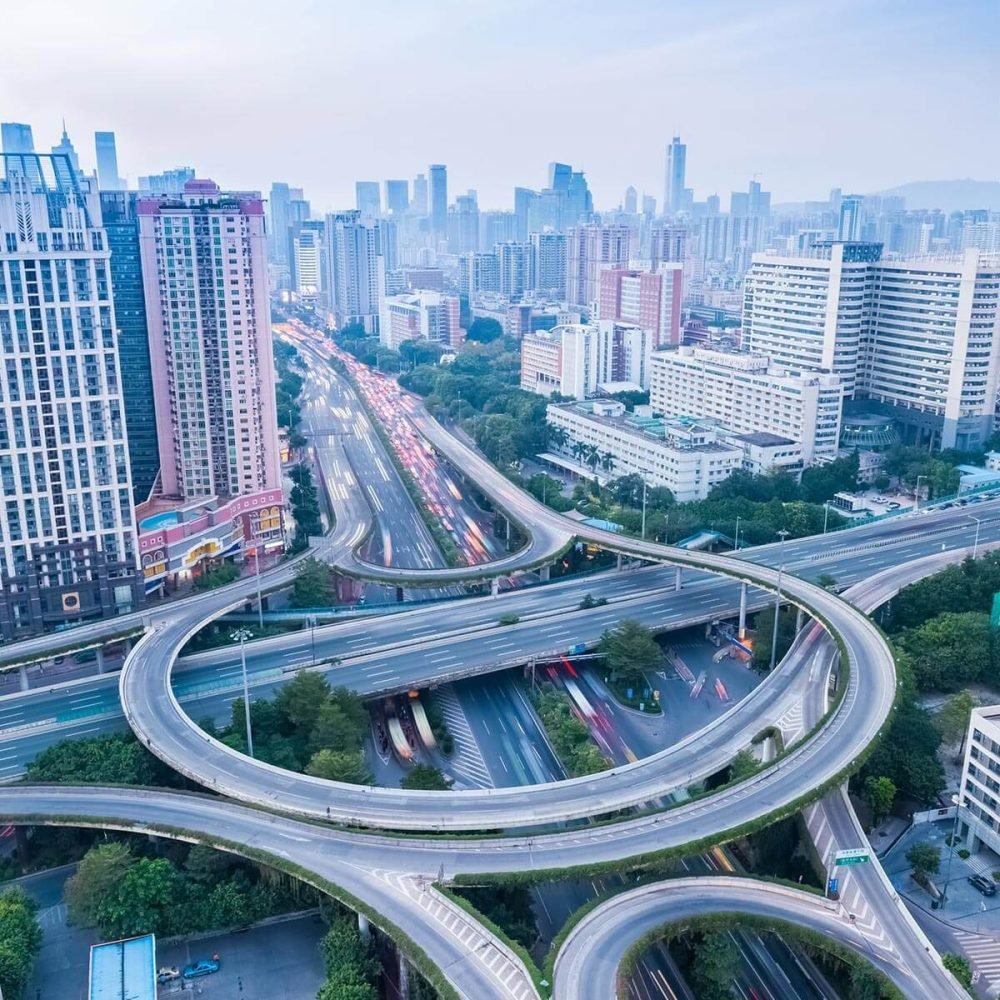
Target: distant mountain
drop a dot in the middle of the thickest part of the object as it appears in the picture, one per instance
(949, 196)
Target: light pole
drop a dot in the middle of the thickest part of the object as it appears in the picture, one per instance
(643, 508)
(826, 514)
(312, 636)
(260, 602)
(241, 635)
(975, 544)
(736, 540)
(916, 493)
(951, 848)
(777, 599)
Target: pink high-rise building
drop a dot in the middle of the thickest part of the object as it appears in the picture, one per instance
(649, 299)
(204, 265)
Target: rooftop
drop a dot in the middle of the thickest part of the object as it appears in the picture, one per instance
(124, 970)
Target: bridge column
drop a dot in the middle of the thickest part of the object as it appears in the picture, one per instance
(743, 611)
(404, 978)
(363, 927)
(22, 676)
(545, 571)
(99, 660)
(798, 620)
(494, 586)
(677, 578)
(618, 562)
(127, 645)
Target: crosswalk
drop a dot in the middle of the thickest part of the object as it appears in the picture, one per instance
(791, 724)
(466, 765)
(983, 954)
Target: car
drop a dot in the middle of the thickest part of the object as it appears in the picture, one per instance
(880, 500)
(894, 505)
(167, 974)
(203, 967)
(983, 884)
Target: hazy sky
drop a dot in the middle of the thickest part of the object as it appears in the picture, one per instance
(861, 94)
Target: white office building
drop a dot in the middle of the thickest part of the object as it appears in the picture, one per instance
(576, 359)
(601, 437)
(979, 798)
(68, 548)
(355, 269)
(749, 394)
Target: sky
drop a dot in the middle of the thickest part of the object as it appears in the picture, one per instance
(806, 94)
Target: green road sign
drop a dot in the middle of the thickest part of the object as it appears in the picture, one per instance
(854, 856)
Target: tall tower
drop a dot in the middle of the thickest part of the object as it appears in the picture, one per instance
(204, 271)
(368, 198)
(849, 228)
(107, 162)
(15, 137)
(673, 188)
(439, 199)
(65, 148)
(68, 547)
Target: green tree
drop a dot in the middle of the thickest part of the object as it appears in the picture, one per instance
(300, 701)
(924, 859)
(335, 729)
(425, 777)
(764, 636)
(950, 650)
(106, 760)
(217, 576)
(959, 967)
(340, 765)
(864, 984)
(880, 793)
(484, 330)
(744, 765)
(143, 901)
(101, 869)
(20, 940)
(951, 720)
(314, 585)
(714, 968)
(629, 651)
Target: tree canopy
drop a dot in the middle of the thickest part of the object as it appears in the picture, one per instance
(629, 650)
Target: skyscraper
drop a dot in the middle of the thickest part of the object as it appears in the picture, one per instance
(397, 196)
(68, 547)
(354, 267)
(419, 202)
(277, 205)
(65, 148)
(648, 299)
(560, 175)
(631, 203)
(107, 162)
(308, 248)
(169, 182)
(121, 224)
(15, 137)
(515, 265)
(463, 224)
(203, 263)
(549, 256)
(439, 199)
(673, 187)
(849, 227)
(368, 198)
(590, 249)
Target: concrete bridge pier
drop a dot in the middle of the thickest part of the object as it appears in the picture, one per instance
(22, 677)
(677, 578)
(544, 573)
(619, 562)
(99, 660)
(799, 619)
(494, 586)
(742, 634)
(363, 927)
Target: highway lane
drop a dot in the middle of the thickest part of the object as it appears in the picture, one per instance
(588, 963)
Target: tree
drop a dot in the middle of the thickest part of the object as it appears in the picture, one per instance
(314, 585)
(142, 901)
(301, 700)
(20, 940)
(950, 650)
(924, 859)
(959, 967)
(100, 869)
(340, 765)
(880, 793)
(743, 766)
(715, 964)
(107, 760)
(424, 777)
(484, 330)
(952, 719)
(764, 637)
(826, 581)
(864, 984)
(217, 576)
(629, 651)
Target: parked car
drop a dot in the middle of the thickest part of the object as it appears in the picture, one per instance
(894, 505)
(167, 974)
(983, 884)
(203, 967)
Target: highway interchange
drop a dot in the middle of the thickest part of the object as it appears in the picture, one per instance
(154, 712)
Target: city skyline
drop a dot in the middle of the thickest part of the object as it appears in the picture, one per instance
(798, 130)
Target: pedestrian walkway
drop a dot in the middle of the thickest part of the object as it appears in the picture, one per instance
(983, 954)
(466, 763)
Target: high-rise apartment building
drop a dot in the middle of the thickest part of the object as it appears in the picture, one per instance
(477, 273)
(15, 137)
(516, 269)
(631, 202)
(204, 271)
(369, 200)
(121, 226)
(68, 548)
(308, 248)
(438, 194)
(463, 224)
(549, 251)
(421, 315)
(673, 185)
(750, 395)
(278, 222)
(420, 197)
(397, 197)
(107, 162)
(918, 339)
(169, 182)
(667, 245)
(354, 266)
(497, 227)
(648, 299)
(590, 249)
(849, 226)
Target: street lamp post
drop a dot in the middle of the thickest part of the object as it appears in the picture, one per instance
(951, 848)
(241, 635)
(312, 636)
(260, 602)
(916, 493)
(975, 544)
(736, 540)
(826, 514)
(643, 532)
(777, 599)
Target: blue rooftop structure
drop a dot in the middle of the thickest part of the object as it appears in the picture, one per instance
(124, 970)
